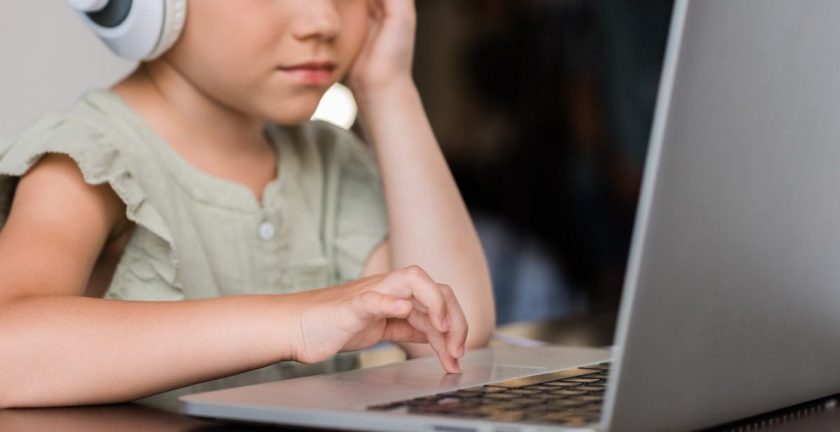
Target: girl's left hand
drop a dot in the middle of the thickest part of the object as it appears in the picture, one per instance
(387, 55)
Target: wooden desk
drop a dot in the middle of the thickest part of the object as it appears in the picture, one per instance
(594, 330)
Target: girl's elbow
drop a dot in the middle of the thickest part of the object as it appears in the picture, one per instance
(5, 383)
(6, 394)
(481, 337)
(486, 327)
(478, 341)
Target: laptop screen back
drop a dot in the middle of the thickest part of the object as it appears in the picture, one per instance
(732, 298)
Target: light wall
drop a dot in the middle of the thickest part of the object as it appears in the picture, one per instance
(47, 59)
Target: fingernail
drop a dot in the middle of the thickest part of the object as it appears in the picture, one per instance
(445, 323)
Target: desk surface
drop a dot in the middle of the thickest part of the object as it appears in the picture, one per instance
(586, 331)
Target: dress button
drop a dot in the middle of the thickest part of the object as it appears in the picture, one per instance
(266, 231)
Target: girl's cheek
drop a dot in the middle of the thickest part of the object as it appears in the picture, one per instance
(355, 27)
(355, 43)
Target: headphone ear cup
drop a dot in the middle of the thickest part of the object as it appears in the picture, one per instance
(138, 29)
(112, 15)
(175, 16)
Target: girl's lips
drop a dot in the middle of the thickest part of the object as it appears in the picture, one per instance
(312, 73)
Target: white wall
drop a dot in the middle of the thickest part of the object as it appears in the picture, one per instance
(47, 59)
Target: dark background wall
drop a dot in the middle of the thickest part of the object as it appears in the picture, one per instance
(543, 108)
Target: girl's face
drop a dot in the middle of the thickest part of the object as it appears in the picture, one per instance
(270, 59)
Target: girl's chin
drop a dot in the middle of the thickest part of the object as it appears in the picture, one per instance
(282, 107)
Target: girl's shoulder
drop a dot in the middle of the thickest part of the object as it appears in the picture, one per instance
(86, 128)
(103, 146)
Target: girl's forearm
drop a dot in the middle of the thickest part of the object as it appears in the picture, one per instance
(64, 350)
(429, 223)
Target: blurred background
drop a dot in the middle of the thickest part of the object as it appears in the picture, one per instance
(542, 107)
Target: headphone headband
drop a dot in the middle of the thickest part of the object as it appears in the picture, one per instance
(135, 30)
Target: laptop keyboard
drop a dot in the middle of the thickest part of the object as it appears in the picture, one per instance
(570, 397)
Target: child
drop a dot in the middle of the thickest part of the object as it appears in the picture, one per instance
(199, 178)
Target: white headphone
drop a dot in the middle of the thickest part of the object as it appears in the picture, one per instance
(134, 29)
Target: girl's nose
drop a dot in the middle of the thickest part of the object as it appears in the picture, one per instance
(318, 19)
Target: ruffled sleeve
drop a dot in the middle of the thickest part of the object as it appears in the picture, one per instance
(100, 161)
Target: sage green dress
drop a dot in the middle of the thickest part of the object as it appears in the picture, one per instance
(199, 236)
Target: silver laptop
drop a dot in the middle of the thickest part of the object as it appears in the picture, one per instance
(731, 302)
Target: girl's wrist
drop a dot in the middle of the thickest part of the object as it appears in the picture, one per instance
(384, 94)
(287, 321)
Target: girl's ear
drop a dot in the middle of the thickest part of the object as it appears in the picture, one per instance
(134, 30)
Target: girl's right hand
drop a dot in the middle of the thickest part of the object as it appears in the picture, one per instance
(402, 306)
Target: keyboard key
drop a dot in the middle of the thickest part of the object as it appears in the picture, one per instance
(593, 398)
(563, 404)
(523, 391)
(562, 384)
(565, 392)
(505, 396)
(584, 380)
(591, 388)
(527, 401)
(540, 387)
